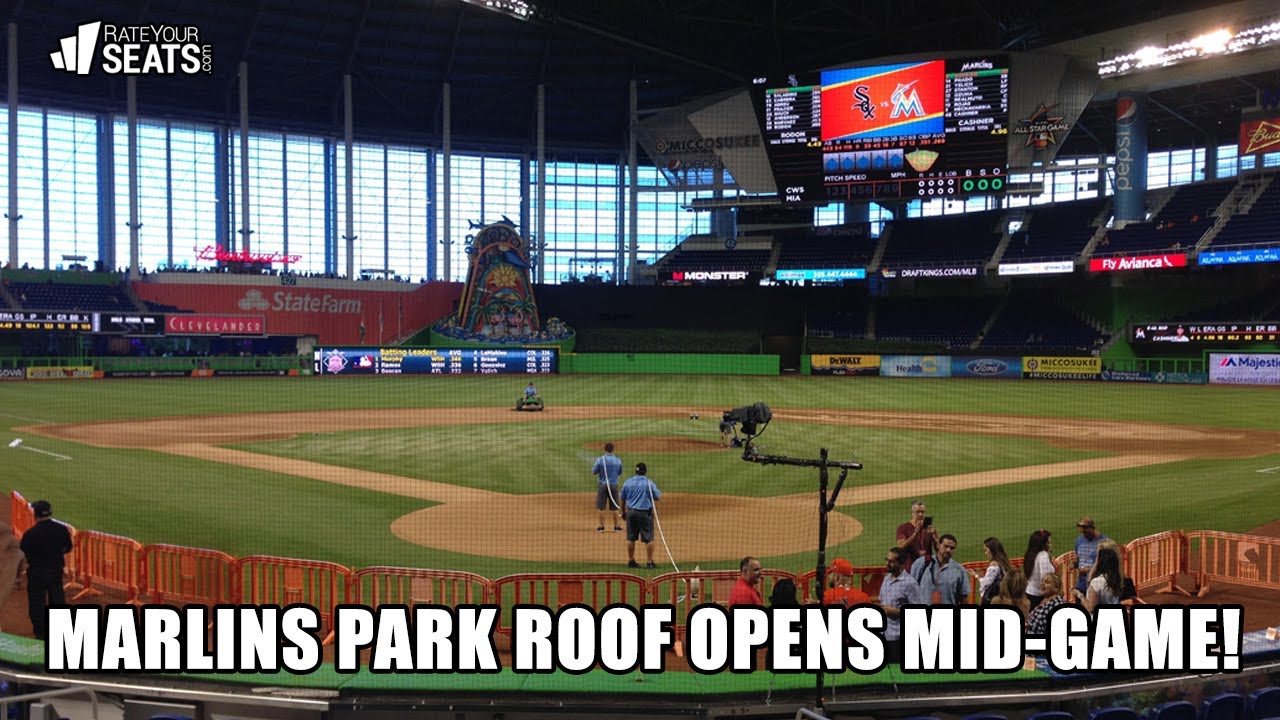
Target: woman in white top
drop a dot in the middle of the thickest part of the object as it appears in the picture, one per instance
(1107, 582)
(1037, 563)
(989, 583)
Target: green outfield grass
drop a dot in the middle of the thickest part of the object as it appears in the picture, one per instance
(154, 497)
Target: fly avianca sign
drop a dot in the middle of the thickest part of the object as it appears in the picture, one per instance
(1138, 262)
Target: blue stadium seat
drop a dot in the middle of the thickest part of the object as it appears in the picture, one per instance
(1227, 706)
(1176, 710)
(1264, 703)
(1113, 713)
(1052, 715)
(985, 716)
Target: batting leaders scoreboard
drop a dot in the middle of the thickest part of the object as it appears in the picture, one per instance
(434, 361)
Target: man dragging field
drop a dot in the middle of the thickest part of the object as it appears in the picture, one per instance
(638, 495)
(607, 469)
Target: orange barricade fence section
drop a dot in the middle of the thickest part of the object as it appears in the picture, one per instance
(1066, 564)
(107, 561)
(176, 575)
(376, 586)
(70, 572)
(1250, 560)
(1154, 562)
(555, 590)
(269, 580)
(688, 589)
(21, 516)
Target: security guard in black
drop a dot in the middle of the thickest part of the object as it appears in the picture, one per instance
(45, 545)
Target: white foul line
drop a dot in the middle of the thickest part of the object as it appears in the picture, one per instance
(1270, 469)
(45, 452)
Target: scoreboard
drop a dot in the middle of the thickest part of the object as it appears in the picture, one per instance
(1242, 332)
(48, 321)
(434, 361)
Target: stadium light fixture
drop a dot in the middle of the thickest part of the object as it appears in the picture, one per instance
(1221, 41)
(518, 9)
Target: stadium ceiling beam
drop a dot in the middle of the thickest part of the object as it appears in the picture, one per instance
(351, 56)
(1176, 114)
(244, 51)
(539, 80)
(654, 50)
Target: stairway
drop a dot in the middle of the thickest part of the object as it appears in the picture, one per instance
(878, 255)
(990, 323)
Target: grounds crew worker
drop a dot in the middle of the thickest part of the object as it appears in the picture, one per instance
(45, 545)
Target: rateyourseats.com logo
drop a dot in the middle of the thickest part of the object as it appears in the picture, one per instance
(135, 50)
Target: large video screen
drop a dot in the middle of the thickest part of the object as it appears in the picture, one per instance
(434, 361)
(902, 131)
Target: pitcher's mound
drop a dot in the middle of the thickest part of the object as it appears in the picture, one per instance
(561, 527)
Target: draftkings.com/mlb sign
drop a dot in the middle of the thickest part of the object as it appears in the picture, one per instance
(134, 50)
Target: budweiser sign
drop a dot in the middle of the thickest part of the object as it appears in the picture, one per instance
(213, 252)
(215, 325)
(1260, 136)
(1138, 262)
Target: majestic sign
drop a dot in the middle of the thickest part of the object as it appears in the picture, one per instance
(1244, 368)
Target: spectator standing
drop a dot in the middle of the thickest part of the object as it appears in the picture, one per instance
(897, 591)
(943, 582)
(1086, 551)
(1051, 587)
(1107, 582)
(1037, 563)
(842, 591)
(1013, 592)
(744, 591)
(999, 566)
(917, 536)
(45, 546)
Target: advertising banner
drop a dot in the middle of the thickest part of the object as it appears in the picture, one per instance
(930, 272)
(77, 372)
(1056, 267)
(915, 366)
(336, 312)
(865, 365)
(1138, 262)
(12, 374)
(1171, 378)
(1062, 368)
(986, 367)
(1131, 157)
(1240, 257)
(1244, 368)
(199, 324)
(708, 276)
(822, 274)
(1259, 133)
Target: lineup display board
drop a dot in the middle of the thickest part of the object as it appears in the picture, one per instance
(434, 361)
(1205, 333)
(910, 130)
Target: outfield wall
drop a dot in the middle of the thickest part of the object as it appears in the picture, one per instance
(669, 364)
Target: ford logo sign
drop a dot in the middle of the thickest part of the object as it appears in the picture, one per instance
(987, 366)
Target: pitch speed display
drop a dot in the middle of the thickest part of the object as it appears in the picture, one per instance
(907, 130)
(434, 361)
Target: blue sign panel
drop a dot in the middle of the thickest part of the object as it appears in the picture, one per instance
(987, 367)
(823, 274)
(1233, 257)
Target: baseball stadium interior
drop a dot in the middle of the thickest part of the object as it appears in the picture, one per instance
(1021, 259)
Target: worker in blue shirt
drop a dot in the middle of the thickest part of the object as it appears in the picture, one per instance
(638, 495)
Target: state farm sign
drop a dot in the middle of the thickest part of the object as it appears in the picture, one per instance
(303, 302)
(197, 324)
(1138, 262)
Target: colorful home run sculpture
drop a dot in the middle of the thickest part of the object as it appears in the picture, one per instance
(497, 303)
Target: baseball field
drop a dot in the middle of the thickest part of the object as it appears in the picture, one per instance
(442, 473)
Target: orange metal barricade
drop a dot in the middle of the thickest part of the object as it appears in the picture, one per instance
(867, 579)
(555, 590)
(376, 586)
(1250, 560)
(1154, 562)
(176, 575)
(21, 516)
(688, 589)
(106, 561)
(269, 580)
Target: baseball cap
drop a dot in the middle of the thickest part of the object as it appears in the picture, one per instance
(841, 567)
(1085, 522)
(642, 468)
(42, 508)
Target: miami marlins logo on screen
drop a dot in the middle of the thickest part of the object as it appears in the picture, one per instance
(913, 95)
